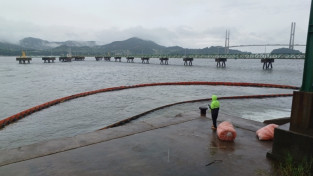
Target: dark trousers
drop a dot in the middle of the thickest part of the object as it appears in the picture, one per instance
(214, 114)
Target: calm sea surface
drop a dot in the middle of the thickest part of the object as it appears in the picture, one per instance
(23, 86)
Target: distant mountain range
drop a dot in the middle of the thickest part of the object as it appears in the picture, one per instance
(39, 44)
(285, 51)
(132, 46)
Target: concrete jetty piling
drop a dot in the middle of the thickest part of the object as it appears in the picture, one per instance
(79, 58)
(65, 59)
(188, 61)
(145, 60)
(130, 59)
(48, 59)
(267, 63)
(107, 58)
(164, 60)
(118, 59)
(220, 62)
(23, 60)
(98, 58)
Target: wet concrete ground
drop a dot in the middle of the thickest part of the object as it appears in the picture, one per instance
(181, 145)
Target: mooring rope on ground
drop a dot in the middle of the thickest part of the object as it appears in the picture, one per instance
(32, 110)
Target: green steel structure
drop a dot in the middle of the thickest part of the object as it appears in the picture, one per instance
(307, 82)
(228, 56)
(298, 141)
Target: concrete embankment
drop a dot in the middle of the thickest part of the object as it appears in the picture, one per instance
(180, 145)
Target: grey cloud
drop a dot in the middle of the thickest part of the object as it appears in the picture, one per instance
(193, 24)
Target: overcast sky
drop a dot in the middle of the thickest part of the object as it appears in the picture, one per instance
(186, 23)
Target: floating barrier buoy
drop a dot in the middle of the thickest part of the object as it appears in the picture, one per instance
(29, 111)
(193, 101)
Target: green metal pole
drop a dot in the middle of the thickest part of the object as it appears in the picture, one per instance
(307, 81)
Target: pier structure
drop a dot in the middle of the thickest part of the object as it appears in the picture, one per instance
(164, 60)
(220, 62)
(48, 59)
(267, 63)
(130, 59)
(79, 58)
(70, 149)
(188, 61)
(145, 60)
(98, 58)
(107, 58)
(118, 59)
(23, 59)
(65, 59)
(166, 146)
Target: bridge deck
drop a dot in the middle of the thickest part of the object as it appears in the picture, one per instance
(228, 56)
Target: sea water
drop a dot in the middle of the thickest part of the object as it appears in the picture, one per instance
(26, 85)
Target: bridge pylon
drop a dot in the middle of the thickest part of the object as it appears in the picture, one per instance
(227, 42)
(292, 35)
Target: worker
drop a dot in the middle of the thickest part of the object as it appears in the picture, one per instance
(214, 107)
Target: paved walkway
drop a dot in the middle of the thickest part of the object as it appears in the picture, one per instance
(181, 145)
